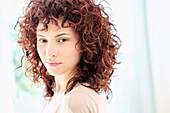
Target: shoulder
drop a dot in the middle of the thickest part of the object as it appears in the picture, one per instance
(84, 100)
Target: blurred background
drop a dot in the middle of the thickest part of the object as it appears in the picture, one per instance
(142, 84)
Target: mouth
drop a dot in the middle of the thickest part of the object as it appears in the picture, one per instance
(53, 64)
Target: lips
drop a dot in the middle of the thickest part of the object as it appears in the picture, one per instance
(53, 64)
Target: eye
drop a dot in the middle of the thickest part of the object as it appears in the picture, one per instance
(63, 40)
(42, 40)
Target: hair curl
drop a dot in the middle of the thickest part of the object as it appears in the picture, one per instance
(99, 43)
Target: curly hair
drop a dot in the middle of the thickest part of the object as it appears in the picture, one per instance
(98, 40)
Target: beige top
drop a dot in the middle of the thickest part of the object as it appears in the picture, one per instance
(79, 100)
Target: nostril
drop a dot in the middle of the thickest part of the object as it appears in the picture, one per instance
(51, 50)
(53, 55)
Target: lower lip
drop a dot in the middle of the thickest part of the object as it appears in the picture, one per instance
(53, 64)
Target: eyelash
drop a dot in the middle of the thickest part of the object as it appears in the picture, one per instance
(44, 40)
(63, 39)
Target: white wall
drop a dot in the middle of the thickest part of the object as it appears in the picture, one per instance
(5, 67)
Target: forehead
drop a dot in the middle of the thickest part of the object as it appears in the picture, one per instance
(54, 29)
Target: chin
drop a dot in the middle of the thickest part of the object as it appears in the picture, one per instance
(51, 72)
(54, 72)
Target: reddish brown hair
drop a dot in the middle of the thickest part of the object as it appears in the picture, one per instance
(99, 44)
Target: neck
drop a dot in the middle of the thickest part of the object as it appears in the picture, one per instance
(61, 82)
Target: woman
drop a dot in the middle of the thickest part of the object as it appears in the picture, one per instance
(70, 47)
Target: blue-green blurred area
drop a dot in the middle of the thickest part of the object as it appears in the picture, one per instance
(142, 82)
(20, 94)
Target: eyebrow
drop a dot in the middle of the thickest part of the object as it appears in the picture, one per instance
(55, 36)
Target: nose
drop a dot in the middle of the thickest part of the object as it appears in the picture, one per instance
(51, 50)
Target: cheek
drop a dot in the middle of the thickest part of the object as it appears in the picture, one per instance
(40, 51)
(71, 54)
(71, 51)
(75, 56)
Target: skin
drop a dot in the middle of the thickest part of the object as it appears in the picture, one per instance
(57, 50)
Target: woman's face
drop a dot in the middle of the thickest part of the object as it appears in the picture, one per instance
(56, 48)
